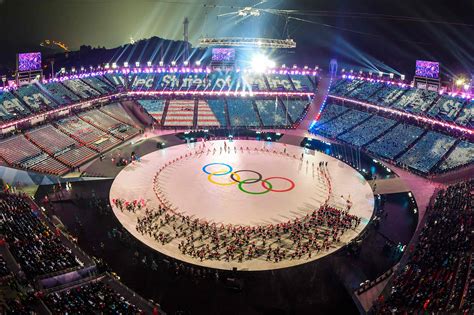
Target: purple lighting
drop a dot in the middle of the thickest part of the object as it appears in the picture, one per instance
(29, 61)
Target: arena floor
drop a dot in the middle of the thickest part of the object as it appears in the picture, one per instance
(278, 186)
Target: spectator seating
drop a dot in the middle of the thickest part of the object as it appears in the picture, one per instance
(206, 117)
(296, 108)
(415, 101)
(4, 271)
(253, 82)
(232, 81)
(427, 152)
(218, 108)
(462, 154)
(81, 89)
(367, 131)
(100, 86)
(344, 86)
(11, 107)
(395, 141)
(365, 90)
(180, 113)
(87, 134)
(143, 82)
(61, 94)
(36, 100)
(154, 108)
(59, 145)
(279, 82)
(108, 124)
(167, 81)
(466, 116)
(387, 95)
(272, 113)
(330, 112)
(36, 248)
(194, 82)
(116, 79)
(302, 83)
(342, 123)
(436, 274)
(44, 163)
(95, 297)
(17, 149)
(242, 113)
(118, 112)
(447, 108)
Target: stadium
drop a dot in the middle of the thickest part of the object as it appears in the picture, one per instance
(222, 177)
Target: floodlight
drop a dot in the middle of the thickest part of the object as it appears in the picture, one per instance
(125, 64)
(137, 64)
(162, 63)
(198, 63)
(173, 63)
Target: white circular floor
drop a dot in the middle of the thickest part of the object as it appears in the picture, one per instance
(296, 190)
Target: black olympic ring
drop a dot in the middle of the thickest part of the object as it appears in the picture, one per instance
(249, 181)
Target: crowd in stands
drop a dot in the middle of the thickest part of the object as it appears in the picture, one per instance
(462, 154)
(436, 276)
(36, 247)
(94, 297)
(367, 131)
(342, 123)
(416, 101)
(271, 113)
(242, 112)
(296, 108)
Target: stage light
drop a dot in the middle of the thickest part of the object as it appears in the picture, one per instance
(260, 63)
(198, 63)
(107, 66)
(114, 65)
(466, 87)
(391, 75)
(73, 70)
(162, 63)
(173, 63)
(137, 64)
(380, 73)
(125, 64)
(460, 81)
(402, 77)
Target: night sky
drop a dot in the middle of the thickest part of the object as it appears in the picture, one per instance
(367, 34)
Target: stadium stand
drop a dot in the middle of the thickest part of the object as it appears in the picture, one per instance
(342, 123)
(108, 124)
(17, 149)
(447, 108)
(206, 117)
(387, 95)
(194, 82)
(427, 152)
(61, 94)
(344, 86)
(295, 108)
(463, 154)
(99, 85)
(302, 83)
(34, 246)
(253, 82)
(142, 81)
(154, 108)
(279, 82)
(367, 131)
(116, 111)
(32, 96)
(81, 89)
(11, 107)
(59, 145)
(365, 90)
(87, 134)
(167, 81)
(242, 113)
(330, 112)
(272, 113)
(466, 116)
(416, 101)
(395, 141)
(180, 113)
(219, 109)
(435, 279)
(116, 79)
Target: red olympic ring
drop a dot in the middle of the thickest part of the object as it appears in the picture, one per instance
(292, 184)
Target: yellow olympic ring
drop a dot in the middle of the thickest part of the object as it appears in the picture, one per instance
(209, 178)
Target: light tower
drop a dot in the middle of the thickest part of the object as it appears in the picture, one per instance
(186, 38)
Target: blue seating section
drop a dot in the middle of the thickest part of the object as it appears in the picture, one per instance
(428, 151)
(466, 116)
(344, 86)
(36, 100)
(60, 94)
(296, 108)
(462, 154)
(101, 86)
(154, 107)
(447, 108)
(341, 123)
(117, 79)
(368, 130)
(365, 90)
(279, 82)
(253, 82)
(242, 113)
(387, 95)
(395, 141)
(218, 108)
(272, 113)
(81, 89)
(330, 111)
(11, 107)
(302, 83)
(416, 101)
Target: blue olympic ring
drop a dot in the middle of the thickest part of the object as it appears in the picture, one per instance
(204, 169)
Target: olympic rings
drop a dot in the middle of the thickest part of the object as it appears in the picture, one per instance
(292, 184)
(256, 180)
(204, 168)
(255, 193)
(218, 173)
(237, 179)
